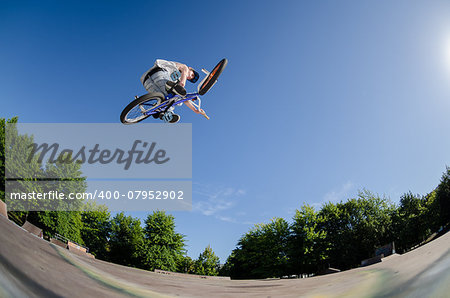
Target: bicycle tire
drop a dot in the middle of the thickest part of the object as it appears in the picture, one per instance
(213, 76)
(150, 99)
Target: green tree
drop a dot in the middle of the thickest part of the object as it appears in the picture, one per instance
(354, 229)
(308, 247)
(30, 171)
(443, 198)
(17, 164)
(65, 216)
(228, 269)
(127, 241)
(433, 218)
(65, 223)
(207, 263)
(96, 229)
(261, 252)
(186, 265)
(415, 219)
(164, 248)
(3, 123)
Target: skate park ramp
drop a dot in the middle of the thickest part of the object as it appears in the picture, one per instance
(33, 267)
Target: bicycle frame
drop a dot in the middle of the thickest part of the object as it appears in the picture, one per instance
(171, 100)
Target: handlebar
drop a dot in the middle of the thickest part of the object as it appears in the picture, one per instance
(204, 115)
(198, 107)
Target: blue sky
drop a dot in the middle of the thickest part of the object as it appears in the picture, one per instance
(319, 99)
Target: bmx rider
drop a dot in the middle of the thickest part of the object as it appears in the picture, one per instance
(169, 76)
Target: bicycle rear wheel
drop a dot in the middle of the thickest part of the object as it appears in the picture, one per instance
(213, 76)
(137, 110)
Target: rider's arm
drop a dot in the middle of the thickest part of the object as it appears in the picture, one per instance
(191, 106)
(184, 73)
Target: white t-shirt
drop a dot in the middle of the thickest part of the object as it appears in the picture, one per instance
(170, 66)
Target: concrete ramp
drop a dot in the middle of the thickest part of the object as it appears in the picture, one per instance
(80, 252)
(58, 242)
(33, 229)
(33, 267)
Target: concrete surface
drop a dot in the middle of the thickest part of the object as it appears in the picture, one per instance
(32, 267)
(185, 275)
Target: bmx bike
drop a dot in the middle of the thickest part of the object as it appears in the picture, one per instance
(159, 106)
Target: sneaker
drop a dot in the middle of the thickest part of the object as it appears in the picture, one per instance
(175, 117)
(173, 87)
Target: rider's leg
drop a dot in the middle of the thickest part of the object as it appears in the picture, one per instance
(160, 82)
(175, 88)
(157, 83)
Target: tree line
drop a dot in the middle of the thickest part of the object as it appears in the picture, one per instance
(339, 235)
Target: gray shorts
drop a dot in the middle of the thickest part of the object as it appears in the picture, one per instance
(157, 82)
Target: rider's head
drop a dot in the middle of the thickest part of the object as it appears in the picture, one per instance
(192, 75)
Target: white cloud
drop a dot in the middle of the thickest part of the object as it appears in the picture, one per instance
(226, 218)
(336, 195)
(317, 205)
(213, 200)
(241, 192)
(211, 207)
(341, 194)
(291, 210)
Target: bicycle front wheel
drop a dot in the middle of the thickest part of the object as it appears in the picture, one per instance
(213, 76)
(139, 108)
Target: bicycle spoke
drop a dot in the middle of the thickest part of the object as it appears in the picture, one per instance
(140, 111)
